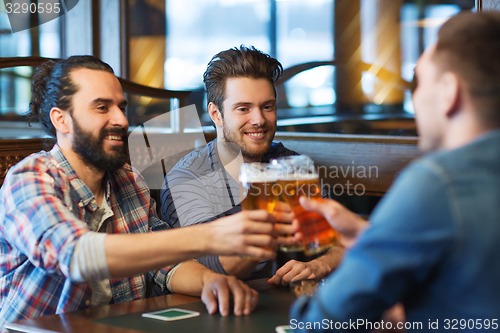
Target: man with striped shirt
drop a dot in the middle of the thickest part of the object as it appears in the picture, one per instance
(203, 186)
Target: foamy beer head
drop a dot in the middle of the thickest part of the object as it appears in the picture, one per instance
(258, 181)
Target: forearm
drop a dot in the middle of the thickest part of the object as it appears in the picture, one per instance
(247, 233)
(129, 254)
(237, 266)
(188, 278)
(324, 265)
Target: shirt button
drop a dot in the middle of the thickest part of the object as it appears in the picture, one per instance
(87, 302)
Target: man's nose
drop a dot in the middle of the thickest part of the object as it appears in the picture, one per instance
(118, 117)
(257, 118)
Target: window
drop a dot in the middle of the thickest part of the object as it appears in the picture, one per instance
(15, 84)
(170, 43)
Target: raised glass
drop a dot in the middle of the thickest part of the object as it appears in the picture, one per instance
(297, 178)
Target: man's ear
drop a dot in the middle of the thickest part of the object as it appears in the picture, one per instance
(449, 99)
(60, 119)
(215, 114)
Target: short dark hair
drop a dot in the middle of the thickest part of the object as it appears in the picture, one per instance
(238, 62)
(52, 87)
(469, 45)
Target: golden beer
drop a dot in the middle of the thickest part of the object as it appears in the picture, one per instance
(299, 178)
(258, 181)
(259, 195)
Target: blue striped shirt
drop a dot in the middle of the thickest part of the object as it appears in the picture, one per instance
(198, 189)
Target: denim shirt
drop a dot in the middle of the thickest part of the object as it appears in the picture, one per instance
(433, 246)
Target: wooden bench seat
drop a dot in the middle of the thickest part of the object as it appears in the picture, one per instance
(354, 164)
(348, 164)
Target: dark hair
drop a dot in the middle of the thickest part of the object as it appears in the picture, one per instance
(52, 87)
(238, 62)
(469, 45)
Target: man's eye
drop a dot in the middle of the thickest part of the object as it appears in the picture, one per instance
(102, 107)
(242, 109)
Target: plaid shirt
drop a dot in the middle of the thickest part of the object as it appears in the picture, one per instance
(44, 209)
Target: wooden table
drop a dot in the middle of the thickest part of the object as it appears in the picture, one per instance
(272, 311)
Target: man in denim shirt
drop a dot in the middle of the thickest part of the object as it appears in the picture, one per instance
(433, 242)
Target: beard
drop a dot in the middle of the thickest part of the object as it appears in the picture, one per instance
(91, 149)
(247, 151)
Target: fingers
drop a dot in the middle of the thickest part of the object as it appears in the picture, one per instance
(299, 274)
(223, 299)
(209, 298)
(289, 240)
(244, 298)
(247, 233)
(218, 290)
(286, 228)
(258, 215)
(291, 271)
(258, 253)
(327, 208)
(339, 217)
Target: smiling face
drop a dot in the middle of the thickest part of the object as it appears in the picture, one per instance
(99, 123)
(248, 118)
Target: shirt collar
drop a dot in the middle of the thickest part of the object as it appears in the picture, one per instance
(82, 193)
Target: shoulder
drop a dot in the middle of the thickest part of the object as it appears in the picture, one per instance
(40, 163)
(36, 175)
(480, 156)
(420, 196)
(197, 162)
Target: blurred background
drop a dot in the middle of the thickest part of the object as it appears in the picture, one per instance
(349, 63)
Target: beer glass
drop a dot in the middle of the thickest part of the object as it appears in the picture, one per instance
(258, 181)
(298, 177)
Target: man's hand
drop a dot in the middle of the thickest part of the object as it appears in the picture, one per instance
(347, 223)
(286, 227)
(320, 267)
(248, 233)
(293, 270)
(219, 289)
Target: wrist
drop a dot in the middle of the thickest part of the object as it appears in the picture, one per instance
(205, 243)
(206, 275)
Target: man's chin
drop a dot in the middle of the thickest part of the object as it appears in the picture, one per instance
(254, 153)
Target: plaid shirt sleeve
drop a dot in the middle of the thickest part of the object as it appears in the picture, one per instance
(38, 234)
(39, 221)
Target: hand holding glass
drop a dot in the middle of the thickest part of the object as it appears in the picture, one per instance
(298, 177)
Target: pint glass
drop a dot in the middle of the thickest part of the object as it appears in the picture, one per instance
(297, 178)
(258, 180)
